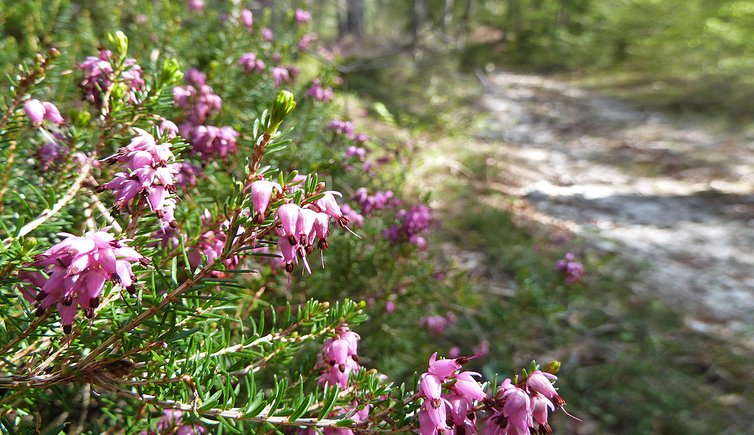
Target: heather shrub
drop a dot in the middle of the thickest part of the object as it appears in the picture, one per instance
(194, 240)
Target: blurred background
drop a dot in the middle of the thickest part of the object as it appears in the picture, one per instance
(617, 131)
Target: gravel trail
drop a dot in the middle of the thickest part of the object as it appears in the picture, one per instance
(663, 192)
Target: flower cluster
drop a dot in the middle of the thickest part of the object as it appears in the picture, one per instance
(413, 222)
(38, 111)
(342, 127)
(211, 245)
(251, 63)
(319, 93)
(301, 16)
(354, 217)
(572, 269)
(199, 102)
(147, 174)
(522, 407)
(437, 324)
(297, 227)
(280, 75)
(339, 357)
(51, 153)
(197, 98)
(449, 397)
(77, 269)
(98, 76)
(171, 423)
(378, 201)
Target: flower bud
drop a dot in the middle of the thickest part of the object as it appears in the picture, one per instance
(284, 104)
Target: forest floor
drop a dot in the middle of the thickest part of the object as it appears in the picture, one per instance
(667, 194)
(657, 206)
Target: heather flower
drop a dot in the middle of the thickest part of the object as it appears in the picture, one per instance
(358, 152)
(196, 5)
(211, 244)
(288, 215)
(171, 423)
(147, 174)
(389, 307)
(52, 113)
(247, 18)
(327, 204)
(339, 357)
(301, 16)
(361, 138)
(77, 270)
(267, 34)
(50, 154)
(210, 142)
(341, 127)
(413, 221)
(572, 269)
(250, 63)
(168, 129)
(354, 218)
(467, 387)
(319, 93)
(443, 368)
(280, 75)
(35, 110)
(305, 42)
(98, 78)
(261, 192)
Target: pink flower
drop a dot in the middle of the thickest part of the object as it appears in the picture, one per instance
(280, 75)
(52, 113)
(149, 175)
(261, 192)
(288, 215)
(539, 382)
(196, 5)
(430, 386)
(442, 368)
(467, 387)
(339, 357)
(327, 204)
(247, 18)
(540, 405)
(389, 307)
(168, 129)
(517, 407)
(302, 16)
(267, 34)
(572, 269)
(35, 110)
(250, 63)
(78, 268)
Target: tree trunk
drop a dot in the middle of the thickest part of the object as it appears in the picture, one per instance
(447, 16)
(463, 28)
(355, 18)
(342, 18)
(419, 18)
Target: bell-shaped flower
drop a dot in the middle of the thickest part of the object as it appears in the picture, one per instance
(288, 215)
(539, 382)
(35, 110)
(247, 18)
(442, 368)
(261, 193)
(468, 387)
(430, 386)
(52, 113)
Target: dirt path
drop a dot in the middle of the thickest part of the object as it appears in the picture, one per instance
(662, 192)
